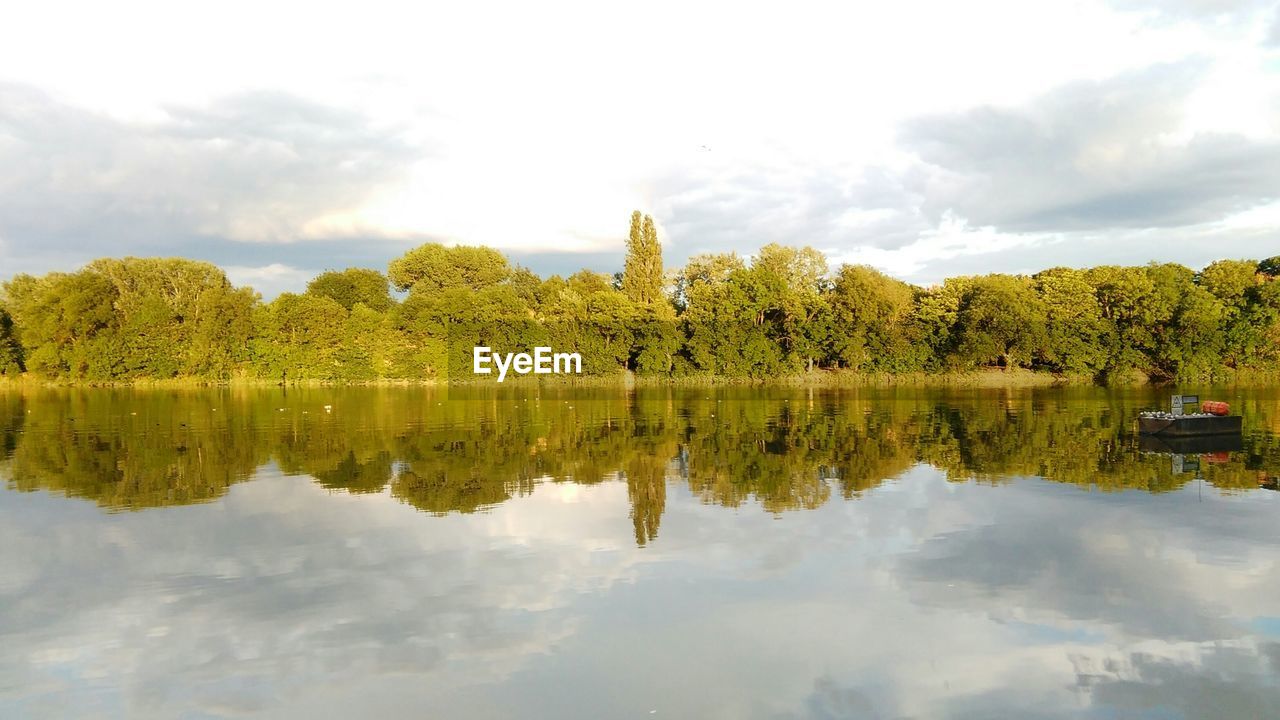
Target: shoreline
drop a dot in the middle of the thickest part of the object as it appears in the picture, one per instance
(982, 378)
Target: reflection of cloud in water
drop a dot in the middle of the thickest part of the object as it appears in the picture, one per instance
(1209, 681)
(1051, 555)
(248, 604)
(830, 701)
(1032, 600)
(924, 598)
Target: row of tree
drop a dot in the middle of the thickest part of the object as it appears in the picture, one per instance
(779, 312)
(463, 450)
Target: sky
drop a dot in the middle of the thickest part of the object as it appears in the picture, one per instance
(928, 139)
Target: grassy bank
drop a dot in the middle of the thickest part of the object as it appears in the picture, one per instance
(822, 378)
(979, 378)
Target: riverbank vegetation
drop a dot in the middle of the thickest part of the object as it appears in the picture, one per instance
(782, 313)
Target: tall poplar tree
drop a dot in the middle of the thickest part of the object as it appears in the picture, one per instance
(642, 274)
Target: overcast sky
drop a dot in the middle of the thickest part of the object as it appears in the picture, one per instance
(927, 139)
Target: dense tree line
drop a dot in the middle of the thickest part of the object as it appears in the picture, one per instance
(781, 450)
(781, 312)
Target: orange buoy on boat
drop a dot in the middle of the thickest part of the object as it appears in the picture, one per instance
(1213, 407)
(1188, 417)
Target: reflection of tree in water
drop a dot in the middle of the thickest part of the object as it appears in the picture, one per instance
(877, 448)
(647, 490)
(652, 437)
(357, 475)
(12, 416)
(172, 450)
(762, 450)
(464, 451)
(440, 491)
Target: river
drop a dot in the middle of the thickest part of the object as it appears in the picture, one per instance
(558, 552)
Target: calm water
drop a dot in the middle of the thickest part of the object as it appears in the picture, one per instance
(554, 553)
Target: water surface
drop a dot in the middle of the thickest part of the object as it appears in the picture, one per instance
(687, 553)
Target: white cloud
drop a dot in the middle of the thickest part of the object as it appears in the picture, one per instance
(542, 131)
(954, 248)
(952, 238)
(270, 280)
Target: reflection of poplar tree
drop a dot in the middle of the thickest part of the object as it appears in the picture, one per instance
(647, 491)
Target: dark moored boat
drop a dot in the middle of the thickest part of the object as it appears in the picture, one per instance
(1188, 425)
(1182, 420)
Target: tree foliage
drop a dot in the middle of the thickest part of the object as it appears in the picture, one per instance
(642, 278)
(436, 267)
(11, 361)
(351, 286)
(133, 318)
(780, 312)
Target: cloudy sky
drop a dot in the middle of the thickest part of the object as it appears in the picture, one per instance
(928, 139)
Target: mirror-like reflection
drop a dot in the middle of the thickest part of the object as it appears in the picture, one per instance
(692, 552)
(464, 450)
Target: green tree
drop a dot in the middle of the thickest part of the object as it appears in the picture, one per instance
(1076, 335)
(803, 270)
(173, 317)
(1131, 311)
(67, 323)
(585, 313)
(871, 311)
(1189, 341)
(142, 318)
(433, 266)
(1000, 320)
(703, 274)
(10, 350)
(1235, 285)
(301, 337)
(1229, 280)
(353, 285)
(786, 285)
(934, 317)
(642, 275)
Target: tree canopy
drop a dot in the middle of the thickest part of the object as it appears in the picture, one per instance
(642, 279)
(436, 267)
(782, 311)
(353, 285)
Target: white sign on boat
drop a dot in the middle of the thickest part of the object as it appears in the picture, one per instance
(1184, 404)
